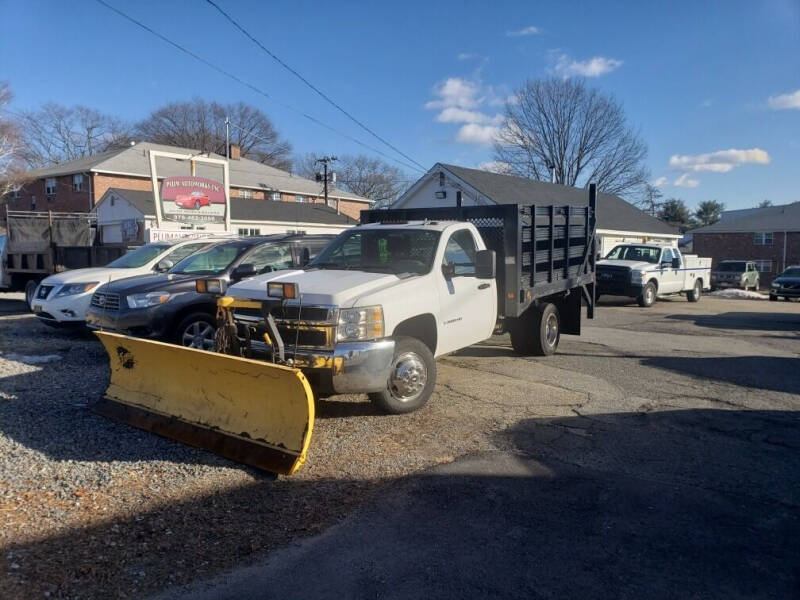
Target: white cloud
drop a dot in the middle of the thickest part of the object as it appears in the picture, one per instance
(466, 56)
(529, 30)
(494, 166)
(721, 161)
(452, 114)
(457, 92)
(660, 182)
(566, 66)
(472, 133)
(686, 181)
(785, 101)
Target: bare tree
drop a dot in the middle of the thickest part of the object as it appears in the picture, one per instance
(368, 177)
(650, 199)
(10, 164)
(580, 133)
(200, 125)
(55, 134)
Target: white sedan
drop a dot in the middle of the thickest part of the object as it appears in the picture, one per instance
(62, 299)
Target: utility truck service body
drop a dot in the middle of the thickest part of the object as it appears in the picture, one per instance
(368, 315)
(645, 271)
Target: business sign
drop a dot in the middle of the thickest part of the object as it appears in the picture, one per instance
(192, 200)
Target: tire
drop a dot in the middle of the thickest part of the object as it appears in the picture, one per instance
(756, 285)
(537, 332)
(773, 298)
(648, 296)
(694, 294)
(30, 290)
(197, 204)
(198, 330)
(411, 381)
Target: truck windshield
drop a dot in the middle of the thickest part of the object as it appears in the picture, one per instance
(736, 267)
(139, 257)
(637, 253)
(380, 250)
(212, 261)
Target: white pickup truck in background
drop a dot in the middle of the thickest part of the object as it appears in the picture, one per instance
(646, 271)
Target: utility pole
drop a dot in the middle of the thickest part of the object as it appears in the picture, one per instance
(325, 160)
(228, 138)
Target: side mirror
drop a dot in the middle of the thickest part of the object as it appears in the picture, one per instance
(164, 265)
(244, 270)
(485, 264)
(448, 270)
(305, 257)
(676, 263)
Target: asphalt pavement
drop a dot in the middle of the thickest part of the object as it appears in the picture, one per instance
(658, 458)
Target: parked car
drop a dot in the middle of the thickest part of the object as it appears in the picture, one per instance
(645, 271)
(62, 299)
(194, 200)
(735, 273)
(786, 285)
(167, 306)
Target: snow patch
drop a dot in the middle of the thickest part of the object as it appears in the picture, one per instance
(33, 359)
(741, 294)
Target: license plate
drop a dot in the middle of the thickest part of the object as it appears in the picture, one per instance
(37, 308)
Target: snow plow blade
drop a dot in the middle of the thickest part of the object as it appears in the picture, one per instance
(249, 411)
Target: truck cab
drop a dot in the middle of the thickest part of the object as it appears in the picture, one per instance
(646, 271)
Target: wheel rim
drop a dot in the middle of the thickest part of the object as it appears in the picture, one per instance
(698, 289)
(551, 329)
(649, 294)
(199, 335)
(408, 378)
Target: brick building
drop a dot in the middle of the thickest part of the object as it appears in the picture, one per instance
(78, 185)
(769, 236)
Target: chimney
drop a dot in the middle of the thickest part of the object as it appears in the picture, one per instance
(235, 152)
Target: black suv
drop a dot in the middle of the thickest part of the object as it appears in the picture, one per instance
(167, 306)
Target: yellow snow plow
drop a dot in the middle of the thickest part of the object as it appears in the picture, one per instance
(254, 412)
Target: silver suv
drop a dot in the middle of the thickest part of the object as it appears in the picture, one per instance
(735, 273)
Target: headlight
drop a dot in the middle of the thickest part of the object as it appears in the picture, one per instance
(775, 284)
(75, 288)
(638, 274)
(364, 323)
(148, 299)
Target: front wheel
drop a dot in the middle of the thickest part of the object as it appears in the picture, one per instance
(30, 290)
(648, 296)
(411, 379)
(198, 330)
(695, 293)
(537, 332)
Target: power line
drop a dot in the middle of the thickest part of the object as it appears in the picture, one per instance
(312, 86)
(252, 87)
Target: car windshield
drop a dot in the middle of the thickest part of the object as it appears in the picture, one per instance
(211, 261)
(791, 272)
(380, 250)
(637, 253)
(737, 267)
(139, 257)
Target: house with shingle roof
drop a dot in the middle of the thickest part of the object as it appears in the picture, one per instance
(617, 221)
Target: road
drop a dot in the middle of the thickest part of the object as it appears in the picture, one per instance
(655, 456)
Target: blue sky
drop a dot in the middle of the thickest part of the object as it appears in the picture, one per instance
(714, 87)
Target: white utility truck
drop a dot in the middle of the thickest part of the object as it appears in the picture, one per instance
(646, 271)
(374, 309)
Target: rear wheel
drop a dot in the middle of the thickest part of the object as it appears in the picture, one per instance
(696, 292)
(773, 297)
(411, 379)
(648, 295)
(30, 290)
(198, 330)
(537, 332)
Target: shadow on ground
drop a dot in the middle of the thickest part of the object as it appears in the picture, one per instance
(744, 321)
(693, 503)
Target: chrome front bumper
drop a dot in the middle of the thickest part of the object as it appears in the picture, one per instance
(355, 367)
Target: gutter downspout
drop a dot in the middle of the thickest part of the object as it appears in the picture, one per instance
(784, 251)
(91, 190)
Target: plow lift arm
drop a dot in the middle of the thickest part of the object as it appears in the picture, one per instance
(250, 411)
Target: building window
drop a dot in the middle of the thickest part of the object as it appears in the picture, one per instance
(50, 186)
(296, 231)
(331, 202)
(77, 182)
(245, 194)
(764, 266)
(245, 231)
(16, 191)
(762, 239)
(275, 196)
(300, 199)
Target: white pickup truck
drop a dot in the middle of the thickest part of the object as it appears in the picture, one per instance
(372, 311)
(645, 271)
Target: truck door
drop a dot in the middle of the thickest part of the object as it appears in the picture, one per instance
(671, 278)
(468, 306)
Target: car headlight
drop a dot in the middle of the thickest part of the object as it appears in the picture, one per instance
(775, 284)
(75, 288)
(638, 274)
(363, 323)
(148, 299)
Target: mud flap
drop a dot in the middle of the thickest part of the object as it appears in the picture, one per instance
(249, 411)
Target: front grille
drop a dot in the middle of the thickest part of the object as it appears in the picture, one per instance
(44, 291)
(612, 274)
(315, 328)
(105, 300)
(306, 313)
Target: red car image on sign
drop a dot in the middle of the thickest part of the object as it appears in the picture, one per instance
(194, 200)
